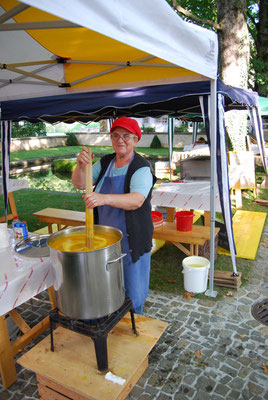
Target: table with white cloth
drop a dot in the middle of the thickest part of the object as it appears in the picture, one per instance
(194, 195)
(21, 279)
(13, 184)
(185, 195)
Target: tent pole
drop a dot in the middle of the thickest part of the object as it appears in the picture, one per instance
(213, 128)
(170, 142)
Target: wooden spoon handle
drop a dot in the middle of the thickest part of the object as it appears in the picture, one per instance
(89, 212)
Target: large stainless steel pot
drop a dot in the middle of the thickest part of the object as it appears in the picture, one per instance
(88, 284)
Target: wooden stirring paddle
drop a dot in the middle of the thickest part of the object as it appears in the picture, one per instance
(89, 211)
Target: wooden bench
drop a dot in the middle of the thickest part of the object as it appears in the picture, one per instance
(62, 218)
(195, 238)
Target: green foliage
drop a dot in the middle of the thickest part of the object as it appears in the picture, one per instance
(72, 140)
(147, 129)
(208, 9)
(26, 129)
(46, 180)
(63, 166)
(229, 144)
(66, 166)
(156, 144)
(182, 129)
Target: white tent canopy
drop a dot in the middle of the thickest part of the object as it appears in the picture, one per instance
(80, 45)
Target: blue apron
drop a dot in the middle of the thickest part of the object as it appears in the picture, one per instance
(136, 275)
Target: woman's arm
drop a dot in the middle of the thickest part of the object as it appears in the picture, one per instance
(127, 201)
(79, 174)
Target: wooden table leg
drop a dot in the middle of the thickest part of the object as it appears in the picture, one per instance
(170, 214)
(7, 364)
(50, 230)
(12, 204)
(52, 297)
(13, 209)
(207, 218)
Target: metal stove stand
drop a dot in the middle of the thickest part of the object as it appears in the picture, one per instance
(98, 329)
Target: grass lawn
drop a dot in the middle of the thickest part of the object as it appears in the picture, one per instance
(68, 150)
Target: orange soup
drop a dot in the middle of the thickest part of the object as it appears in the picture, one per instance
(76, 242)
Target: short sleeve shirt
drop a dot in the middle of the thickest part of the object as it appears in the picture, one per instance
(141, 181)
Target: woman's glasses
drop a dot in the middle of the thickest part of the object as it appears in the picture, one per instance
(126, 137)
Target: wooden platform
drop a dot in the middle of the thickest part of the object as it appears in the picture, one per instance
(247, 227)
(70, 372)
(226, 279)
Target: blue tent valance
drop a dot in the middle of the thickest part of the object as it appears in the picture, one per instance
(175, 100)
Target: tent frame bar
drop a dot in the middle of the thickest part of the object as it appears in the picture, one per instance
(32, 75)
(14, 11)
(19, 78)
(27, 26)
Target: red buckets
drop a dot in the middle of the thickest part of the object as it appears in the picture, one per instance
(184, 220)
(158, 219)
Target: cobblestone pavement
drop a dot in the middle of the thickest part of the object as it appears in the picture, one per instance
(233, 346)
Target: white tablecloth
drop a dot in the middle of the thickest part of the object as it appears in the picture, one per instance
(14, 184)
(22, 278)
(187, 195)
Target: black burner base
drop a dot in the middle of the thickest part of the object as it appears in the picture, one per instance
(98, 329)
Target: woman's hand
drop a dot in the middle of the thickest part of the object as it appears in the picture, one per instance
(83, 158)
(126, 201)
(79, 173)
(94, 199)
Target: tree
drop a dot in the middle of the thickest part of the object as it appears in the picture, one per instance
(258, 28)
(26, 129)
(233, 20)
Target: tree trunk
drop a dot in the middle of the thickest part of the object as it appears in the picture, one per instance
(234, 59)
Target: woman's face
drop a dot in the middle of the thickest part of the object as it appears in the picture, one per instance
(123, 141)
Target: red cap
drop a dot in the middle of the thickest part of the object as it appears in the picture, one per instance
(128, 123)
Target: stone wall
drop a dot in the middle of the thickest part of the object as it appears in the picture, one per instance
(93, 139)
(34, 143)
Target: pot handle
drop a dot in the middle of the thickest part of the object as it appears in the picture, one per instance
(108, 266)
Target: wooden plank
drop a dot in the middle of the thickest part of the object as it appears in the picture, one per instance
(7, 364)
(12, 206)
(73, 363)
(30, 335)
(49, 390)
(52, 297)
(247, 227)
(19, 321)
(170, 214)
(49, 394)
(53, 391)
(62, 217)
(261, 202)
(198, 235)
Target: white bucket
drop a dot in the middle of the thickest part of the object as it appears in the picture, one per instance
(195, 270)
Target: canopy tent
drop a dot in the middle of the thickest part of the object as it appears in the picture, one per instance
(67, 52)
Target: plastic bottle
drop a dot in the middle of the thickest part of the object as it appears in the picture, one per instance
(15, 219)
(19, 229)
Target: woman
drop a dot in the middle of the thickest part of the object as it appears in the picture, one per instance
(121, 199)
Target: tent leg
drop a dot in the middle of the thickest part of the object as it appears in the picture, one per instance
(213, 131)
